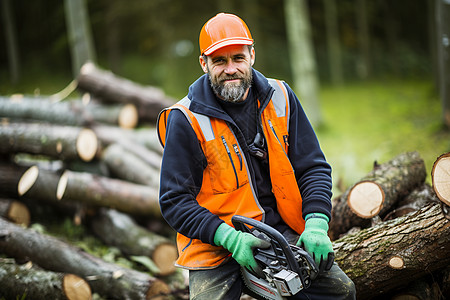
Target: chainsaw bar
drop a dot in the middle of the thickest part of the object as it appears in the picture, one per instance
(284, 269)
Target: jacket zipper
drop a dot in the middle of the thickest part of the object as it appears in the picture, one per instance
(231, 160)
(236, 150)
(284, 137)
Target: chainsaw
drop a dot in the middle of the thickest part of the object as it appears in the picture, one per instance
(283, 269)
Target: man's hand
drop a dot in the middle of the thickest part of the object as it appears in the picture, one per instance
(240, 244)
(316, 242)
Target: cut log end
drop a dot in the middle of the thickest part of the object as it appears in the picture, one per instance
(19, 213)
(76, 288)
(365, 199)
(164, 257)
(62, 184)
(27, 180)
(158, 290)
(87, 144)
(441, 178)
(396, 262)
(128, 116)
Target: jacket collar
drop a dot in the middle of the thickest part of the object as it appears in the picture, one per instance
(204, 101)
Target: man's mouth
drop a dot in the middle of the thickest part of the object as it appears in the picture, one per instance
(231, 80)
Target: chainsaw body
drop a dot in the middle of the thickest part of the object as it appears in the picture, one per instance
(284, 270)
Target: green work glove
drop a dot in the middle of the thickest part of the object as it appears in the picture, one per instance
(240, 244)
(316, 242)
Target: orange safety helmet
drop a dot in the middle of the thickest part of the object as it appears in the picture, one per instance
(223, 30)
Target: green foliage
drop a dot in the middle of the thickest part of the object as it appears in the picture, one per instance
(376, 121)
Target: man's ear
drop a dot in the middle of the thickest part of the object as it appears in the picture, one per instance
(252, 56)
(203, 63)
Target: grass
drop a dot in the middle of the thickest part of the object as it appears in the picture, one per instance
(376, 121)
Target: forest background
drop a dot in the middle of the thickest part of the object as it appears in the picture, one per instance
(383, 101)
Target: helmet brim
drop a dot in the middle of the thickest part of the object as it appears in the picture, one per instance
(227, 42)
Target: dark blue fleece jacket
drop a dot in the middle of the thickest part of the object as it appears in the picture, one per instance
(183, 162)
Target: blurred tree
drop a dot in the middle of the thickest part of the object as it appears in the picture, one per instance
(333, 42)
(303, 63)
(363, 65)
(11, 41)
(443, 39)
(79, 31)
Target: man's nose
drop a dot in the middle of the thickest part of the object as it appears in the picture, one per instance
(230, 68)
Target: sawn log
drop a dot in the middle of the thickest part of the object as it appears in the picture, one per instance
(393, 253)
(120, 230)
(32, 282)
(100, 191)
(109, 280)
(109, 87)
(377, 192)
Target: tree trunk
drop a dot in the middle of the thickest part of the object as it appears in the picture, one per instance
(126, 165)
(118, 229)
(376, 193)
(440, 175)
(363, 67)
(61, 142)
(333, 43)
(15, 211)
(443, 47)
(11, 41)
(303, 63)
(79, 33)
(122, 195)
(30, 281)
(111, 88)
(393, 253)
(107, 279)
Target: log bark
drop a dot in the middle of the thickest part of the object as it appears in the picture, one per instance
(376, 193)
(107, 279)
(71, 112)
(379, 191)
(9, 179)
(417, 199)
(119, 230)
(38, 186)
(34, 283)
(126, 165)
(440, 175)
(60, 142)
(110, 87)
(15, 211)
(421, 289)
(132, 142)
(420, 241)
(101, 191)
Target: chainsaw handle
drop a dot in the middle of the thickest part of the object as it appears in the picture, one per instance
(241, 222)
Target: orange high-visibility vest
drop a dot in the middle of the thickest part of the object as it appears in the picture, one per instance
(227, 189)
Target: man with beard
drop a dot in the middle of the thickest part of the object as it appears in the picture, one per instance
(241, 144)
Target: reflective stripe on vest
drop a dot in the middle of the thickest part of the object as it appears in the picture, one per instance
(226, 179)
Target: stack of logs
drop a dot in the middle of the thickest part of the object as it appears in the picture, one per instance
(391, 230)
(86, 158)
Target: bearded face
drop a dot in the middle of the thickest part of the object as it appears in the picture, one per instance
(230, 71)
(231, 88)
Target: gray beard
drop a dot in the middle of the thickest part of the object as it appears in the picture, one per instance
(231, 92)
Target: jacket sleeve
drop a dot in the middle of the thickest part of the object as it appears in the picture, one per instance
(181, 178)
(312, 171)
